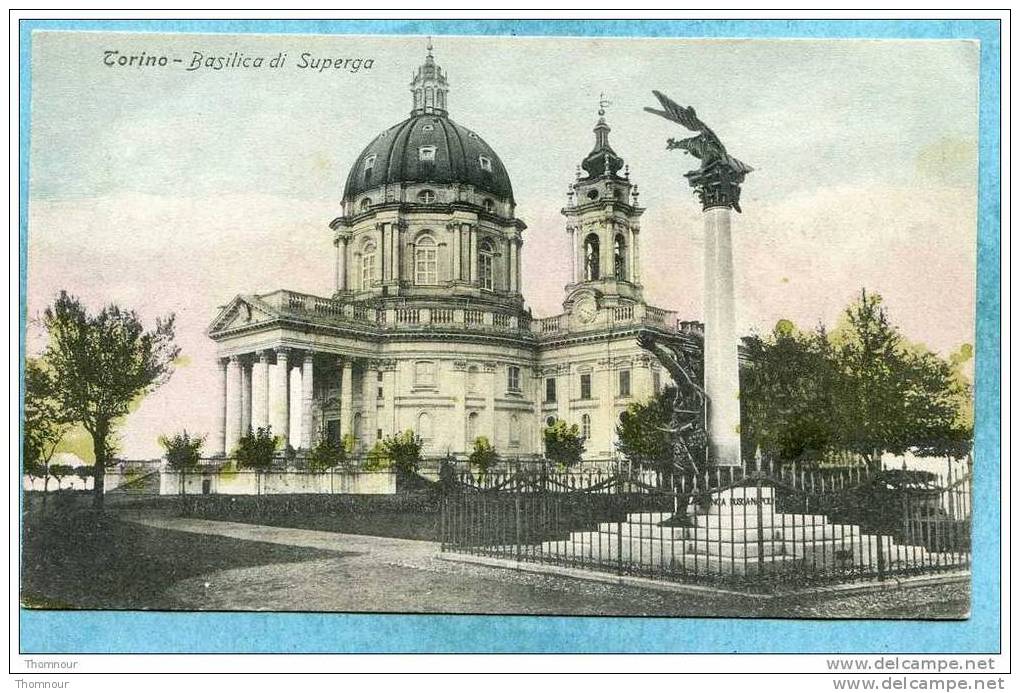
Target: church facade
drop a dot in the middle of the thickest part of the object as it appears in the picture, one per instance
(427, 327)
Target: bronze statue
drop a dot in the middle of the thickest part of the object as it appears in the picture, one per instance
(687, 421)
(718, 180)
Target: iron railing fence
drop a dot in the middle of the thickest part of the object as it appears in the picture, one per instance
(756, 530)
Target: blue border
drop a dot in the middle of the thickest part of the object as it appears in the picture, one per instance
(138, 632)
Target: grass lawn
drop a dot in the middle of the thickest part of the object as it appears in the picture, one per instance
(78, 560)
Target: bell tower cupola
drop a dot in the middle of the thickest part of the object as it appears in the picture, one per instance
(602, 223)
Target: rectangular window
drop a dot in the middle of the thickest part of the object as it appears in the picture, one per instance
(485, 163)
(586, 386)
(513, 379)
(485, 271)
(656, 382)
(426, 153)
(379, 392)
(424, 374)
(550, 389)
(625, 383)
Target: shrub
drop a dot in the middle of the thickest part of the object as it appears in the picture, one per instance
(483, 456)
(326, 454)
(563, 444)
(255, 450)
(183, 450)
(404, 451)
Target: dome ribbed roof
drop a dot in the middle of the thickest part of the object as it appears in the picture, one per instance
(459, 156)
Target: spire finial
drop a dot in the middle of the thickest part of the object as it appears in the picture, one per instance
(603, 102)
(428, 46)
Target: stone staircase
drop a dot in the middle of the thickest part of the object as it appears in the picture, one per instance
(737, 534)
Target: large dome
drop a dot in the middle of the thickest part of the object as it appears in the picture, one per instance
(428, 147)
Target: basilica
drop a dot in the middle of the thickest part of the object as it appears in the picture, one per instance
(427, 328)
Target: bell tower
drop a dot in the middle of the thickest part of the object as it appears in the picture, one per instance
(602, 223)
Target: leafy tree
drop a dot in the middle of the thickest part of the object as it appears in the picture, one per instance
(255, 449)
(183, 450)
(404, 451)
(100, 365)
(787, 395)
(563, 443)
(483, 456)
(326, 454)
(60, 471)
(643, 433)
(44, 426)
(377, 459)
(83, 473)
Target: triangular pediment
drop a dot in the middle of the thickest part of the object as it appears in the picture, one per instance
(240, 312)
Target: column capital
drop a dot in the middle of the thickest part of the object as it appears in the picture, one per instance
(345, 362)
(309, 356)
(717, 185)
(282, 351)
(264, 355)
(234, 358)
(221, 362)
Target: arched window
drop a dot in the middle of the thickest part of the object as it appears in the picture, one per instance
(425, 261)
(619, 257)
(515, 430)
(472, 427)
(513, 378)
(369, 164)
(591, 257)
(485, 257)
(425, 426)
(426, 197)
(586, 426)
(357, 427)
(365, 204)
(488, 205)
(472, 379)
(367, 266)
(485, 163)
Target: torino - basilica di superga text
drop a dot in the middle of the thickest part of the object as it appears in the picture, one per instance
(427, 329)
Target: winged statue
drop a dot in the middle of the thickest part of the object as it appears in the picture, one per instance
(706, 145)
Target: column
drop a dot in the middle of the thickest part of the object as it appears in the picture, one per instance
(220, 400)
(474, 254)
(307, 392)
(233, 419)
(563, 390)
(369, 390)
(260, 392)
(456, 252)
(517, 264)
(604, 418)
(513, 266)
(460, 407)
(722, 384)
(573, 254)
(395, 241)
(346, 396)
(341, 263)
(279, 398)
(581, 261)
(635, 256)
(606, 251)
(245, 396)
(490, 402)
(389, 423)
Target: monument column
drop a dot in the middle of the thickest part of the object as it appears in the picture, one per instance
(279, 397)
(233, 418)
(220, 398)
(307, 392)
(369, 402)
(341, 263)
(719, 190)
(513, 266)
(260, 391)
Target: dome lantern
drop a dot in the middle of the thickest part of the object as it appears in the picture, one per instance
(429, 87)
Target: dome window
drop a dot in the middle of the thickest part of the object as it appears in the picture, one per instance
(368, 166)
(428, 128)
(426, 197)
(427, 153)
(486, 163)
(488, 205)
(365, 204)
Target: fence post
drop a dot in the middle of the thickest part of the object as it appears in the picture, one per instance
(517, 524)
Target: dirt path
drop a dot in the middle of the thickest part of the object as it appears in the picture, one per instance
(377, 574)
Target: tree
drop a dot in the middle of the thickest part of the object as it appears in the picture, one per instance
(563, 443)
(326, 454)
(59, 471)
(100, 365)
(404, 451)
(255, 449)
(377, 459)
(787, 395)
(183, 450)
(44, 426)
(483, 456)
(83, 473)
(643, 433)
